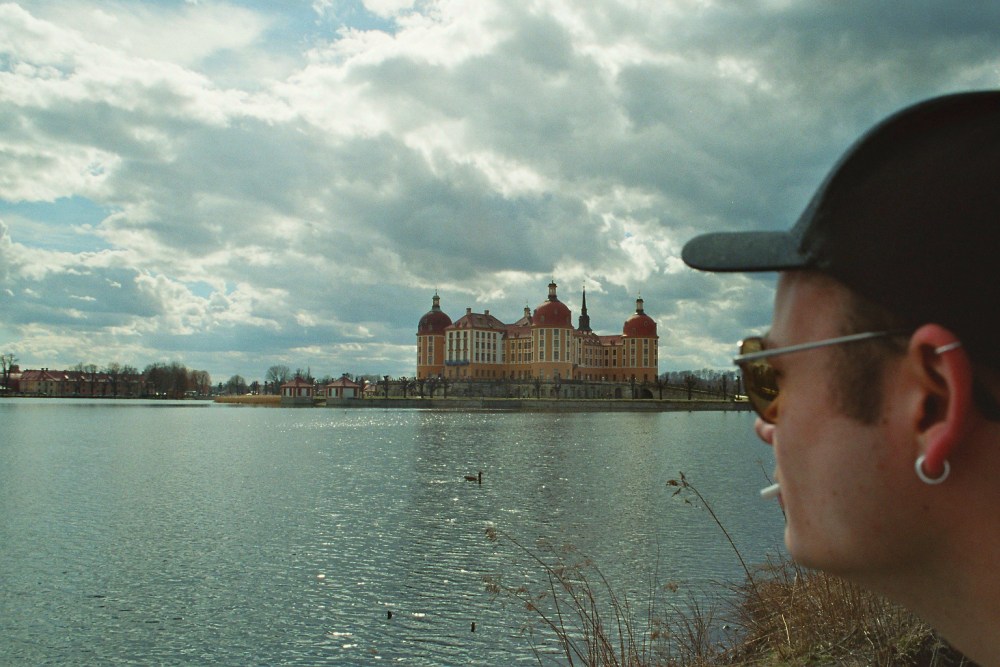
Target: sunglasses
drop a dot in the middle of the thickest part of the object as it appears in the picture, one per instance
(759, 378)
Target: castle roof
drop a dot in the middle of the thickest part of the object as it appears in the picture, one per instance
(639, 325)
(473, 320)
(552, 312)
(344, 381)
(434, 321)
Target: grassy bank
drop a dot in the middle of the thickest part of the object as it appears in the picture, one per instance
(791, 616)
(780, 615)
(249, 400)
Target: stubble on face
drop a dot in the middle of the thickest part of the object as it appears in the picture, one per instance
(831, 467)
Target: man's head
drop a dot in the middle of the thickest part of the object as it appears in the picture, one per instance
(909, 219)
(901, 242)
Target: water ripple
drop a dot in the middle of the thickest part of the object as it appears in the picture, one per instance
(294, 537)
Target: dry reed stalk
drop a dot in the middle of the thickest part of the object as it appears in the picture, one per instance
(784, 616)
(578, 607)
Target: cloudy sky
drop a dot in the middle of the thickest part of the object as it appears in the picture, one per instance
(236, 185)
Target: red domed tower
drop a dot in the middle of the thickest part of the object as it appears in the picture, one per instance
(639, 325)
(552, 312)
(552, 339)
(430, 341)
(640, 345)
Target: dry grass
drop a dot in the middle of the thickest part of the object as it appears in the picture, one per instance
(794, 616)
(260, 399)
(576, 609)
(781, 615)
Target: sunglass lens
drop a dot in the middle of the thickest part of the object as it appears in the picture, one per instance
(758, 378)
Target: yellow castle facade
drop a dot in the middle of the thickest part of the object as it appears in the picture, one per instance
(542, 345)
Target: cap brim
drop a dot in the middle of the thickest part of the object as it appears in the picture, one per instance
(744, 251)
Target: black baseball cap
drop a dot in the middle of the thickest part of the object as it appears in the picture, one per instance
(908, 217)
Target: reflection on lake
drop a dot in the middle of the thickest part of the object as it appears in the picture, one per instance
(198, 533)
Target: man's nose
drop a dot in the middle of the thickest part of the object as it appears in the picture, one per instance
(764, 430)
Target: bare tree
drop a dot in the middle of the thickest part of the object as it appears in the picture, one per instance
(236, 385)
(88, 373)
(201, 382)
(156, 380)
(7, 362)
(277, 375)
(690, 382)
(168, 380)
(114, 373)
(132, 380)
(78, 376)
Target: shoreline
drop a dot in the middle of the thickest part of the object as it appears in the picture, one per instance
(497, 404)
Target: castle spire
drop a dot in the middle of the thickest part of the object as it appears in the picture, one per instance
(584, 324)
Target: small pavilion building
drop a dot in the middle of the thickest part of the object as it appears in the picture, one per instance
(342, 389)
(297, 392)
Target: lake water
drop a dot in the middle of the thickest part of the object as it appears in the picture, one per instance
(194, 533)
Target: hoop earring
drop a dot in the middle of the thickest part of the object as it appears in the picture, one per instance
(919, 467)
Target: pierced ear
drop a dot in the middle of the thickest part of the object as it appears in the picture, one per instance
(945, 375)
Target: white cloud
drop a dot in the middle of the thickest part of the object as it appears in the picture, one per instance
(388, 8)
(184, 35)
(32, 173)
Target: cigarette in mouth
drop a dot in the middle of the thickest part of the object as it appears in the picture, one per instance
(770, 492)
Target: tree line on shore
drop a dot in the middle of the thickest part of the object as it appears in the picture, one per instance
(702, 383)
(114, 379)
(174, 379)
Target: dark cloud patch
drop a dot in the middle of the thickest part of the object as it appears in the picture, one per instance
(83, 297)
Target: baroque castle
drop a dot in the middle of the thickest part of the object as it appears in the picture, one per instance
(543, 345)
